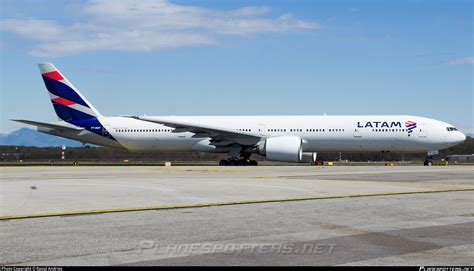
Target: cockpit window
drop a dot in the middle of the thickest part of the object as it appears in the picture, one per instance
(451, 129)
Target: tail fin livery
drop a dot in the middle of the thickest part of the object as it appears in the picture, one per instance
(68, 102)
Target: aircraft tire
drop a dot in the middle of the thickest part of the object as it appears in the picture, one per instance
(253, 163)
(223, 162)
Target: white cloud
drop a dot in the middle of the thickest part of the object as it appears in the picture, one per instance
(40, 30)
(147, 25)
(463, 61)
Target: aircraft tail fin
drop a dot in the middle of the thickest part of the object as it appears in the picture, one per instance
(70, 105)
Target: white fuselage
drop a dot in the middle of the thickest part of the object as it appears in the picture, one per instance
(319, 133)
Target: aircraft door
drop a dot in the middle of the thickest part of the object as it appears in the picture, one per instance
(261, 129)
(357, 131)
(422, 132)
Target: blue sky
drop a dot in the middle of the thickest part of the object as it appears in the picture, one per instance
(242, 57)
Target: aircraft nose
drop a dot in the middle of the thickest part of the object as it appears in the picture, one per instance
(460, 137)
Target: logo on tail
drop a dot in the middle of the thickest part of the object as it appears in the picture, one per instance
(69, 103)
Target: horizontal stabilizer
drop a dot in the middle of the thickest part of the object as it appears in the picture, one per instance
(57, 126)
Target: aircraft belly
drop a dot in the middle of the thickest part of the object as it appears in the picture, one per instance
(353, 145)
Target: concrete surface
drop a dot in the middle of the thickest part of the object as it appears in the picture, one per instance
(40, 190)
(414, 229)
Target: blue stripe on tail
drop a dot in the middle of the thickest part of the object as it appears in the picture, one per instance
(62, 90)
(69, 114)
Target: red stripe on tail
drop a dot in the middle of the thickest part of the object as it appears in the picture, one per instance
(53, 75)
(63, 101)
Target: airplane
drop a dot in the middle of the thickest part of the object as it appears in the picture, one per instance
(279, 138)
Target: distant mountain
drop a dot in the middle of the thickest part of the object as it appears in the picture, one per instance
(30, 137)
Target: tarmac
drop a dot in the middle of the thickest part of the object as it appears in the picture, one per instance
(293, 215)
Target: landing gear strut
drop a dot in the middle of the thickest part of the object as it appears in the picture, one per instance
(429, 161)
(429, 158)
(234, 160)
(238, 162)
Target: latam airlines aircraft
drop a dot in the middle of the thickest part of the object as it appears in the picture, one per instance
(279, 138)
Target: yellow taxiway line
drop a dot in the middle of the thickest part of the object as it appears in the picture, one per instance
(200, 205)
(332, 173)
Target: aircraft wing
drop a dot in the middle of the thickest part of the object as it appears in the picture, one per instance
(57, 126)
(200, 130)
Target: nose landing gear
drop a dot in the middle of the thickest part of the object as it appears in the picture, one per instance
(428, 162)
(429, 158)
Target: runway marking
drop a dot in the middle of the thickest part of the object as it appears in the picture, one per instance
(215, 204)
(200, 170)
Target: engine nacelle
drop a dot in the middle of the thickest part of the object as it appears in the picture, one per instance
(283, 148)
(309, 157)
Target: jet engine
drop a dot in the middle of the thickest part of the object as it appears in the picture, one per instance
(309, 157)
(283, 148)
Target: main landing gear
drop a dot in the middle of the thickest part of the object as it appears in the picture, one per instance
(234, 159)
(238, 162)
